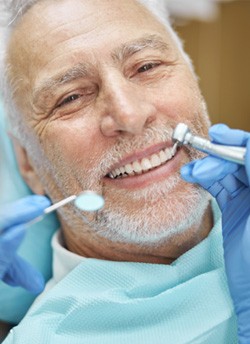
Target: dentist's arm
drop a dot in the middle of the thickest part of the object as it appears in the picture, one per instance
(14, 270)
(229, 183)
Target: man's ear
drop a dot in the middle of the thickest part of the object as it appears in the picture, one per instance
(26, 169)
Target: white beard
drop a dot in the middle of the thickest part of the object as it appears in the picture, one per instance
(161, 216)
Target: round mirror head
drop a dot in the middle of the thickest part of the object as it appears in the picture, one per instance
(89, 201)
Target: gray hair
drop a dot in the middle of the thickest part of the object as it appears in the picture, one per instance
(11, 12)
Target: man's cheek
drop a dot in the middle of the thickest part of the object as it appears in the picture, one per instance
(179, 103)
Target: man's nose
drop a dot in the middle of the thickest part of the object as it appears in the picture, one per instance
(127, 109)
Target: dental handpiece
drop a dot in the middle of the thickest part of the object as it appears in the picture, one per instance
(183, 136)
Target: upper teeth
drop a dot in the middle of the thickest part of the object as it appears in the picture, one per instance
(144, 165)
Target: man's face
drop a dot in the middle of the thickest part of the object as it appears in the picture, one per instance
(104, 85)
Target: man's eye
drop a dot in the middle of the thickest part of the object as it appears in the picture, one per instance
(147, 67)
(69, 99)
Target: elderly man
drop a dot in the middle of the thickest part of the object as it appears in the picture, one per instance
(94, 89)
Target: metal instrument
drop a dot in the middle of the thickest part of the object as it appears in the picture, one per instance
(183, 136)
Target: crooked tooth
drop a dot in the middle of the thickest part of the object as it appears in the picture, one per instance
(145, 164)
(155, 160)
(137, 167)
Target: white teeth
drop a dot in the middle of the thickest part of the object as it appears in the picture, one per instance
(168, 154)
(137, 167)
(146, 164)
(117, 172)
(155, 160)
(129, 169)
(163, 157)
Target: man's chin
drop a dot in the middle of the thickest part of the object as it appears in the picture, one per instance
(159, 217)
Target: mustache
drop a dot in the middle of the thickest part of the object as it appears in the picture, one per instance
(150, 136)
(128, 144)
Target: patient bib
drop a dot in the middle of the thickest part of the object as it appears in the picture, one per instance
(104, 302)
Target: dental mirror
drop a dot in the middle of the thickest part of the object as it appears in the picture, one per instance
(89, 201)
(86, 201)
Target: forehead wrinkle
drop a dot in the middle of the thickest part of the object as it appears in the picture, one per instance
(81, 70)
(130, 48)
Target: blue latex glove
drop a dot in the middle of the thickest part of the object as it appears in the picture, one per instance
(229, 184)
(14, 270)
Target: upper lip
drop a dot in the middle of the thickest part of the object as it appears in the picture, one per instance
(141, 154)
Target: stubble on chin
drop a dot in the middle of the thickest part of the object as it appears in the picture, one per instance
(159, 212)
(158, 218)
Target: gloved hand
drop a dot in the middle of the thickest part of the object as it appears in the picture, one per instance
(14, 270)
(229, 184)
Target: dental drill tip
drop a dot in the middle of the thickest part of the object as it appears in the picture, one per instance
(180, 133)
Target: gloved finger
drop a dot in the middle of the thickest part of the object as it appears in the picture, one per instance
(9, 243)
(11, 239)
(23, 274)
(221, 194)
(241, 175)
(187, 172)
(22, 211)
(232, 185)
(221, 133)
(208, 170)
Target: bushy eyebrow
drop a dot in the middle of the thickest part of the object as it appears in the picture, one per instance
(80, 70)
(85, 70)
(146, 42)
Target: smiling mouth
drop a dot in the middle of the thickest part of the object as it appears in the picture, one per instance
(144, 165)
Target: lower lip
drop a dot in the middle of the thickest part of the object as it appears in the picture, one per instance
(152, 176)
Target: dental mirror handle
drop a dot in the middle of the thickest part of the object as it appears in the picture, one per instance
(230, 153)
(59, 204)
(87, 200)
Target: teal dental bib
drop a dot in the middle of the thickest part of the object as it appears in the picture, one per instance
(119, 303)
